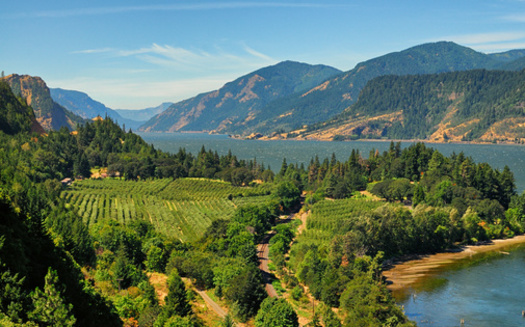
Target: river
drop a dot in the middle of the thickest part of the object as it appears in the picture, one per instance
(486, 290)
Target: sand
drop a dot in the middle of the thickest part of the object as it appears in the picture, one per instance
(403, 274)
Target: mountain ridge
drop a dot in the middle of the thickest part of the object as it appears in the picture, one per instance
(236, 102)
(341, 91)
(474, 105)
(321, 101)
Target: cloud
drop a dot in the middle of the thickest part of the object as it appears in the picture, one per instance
(62, 13)
(194, 60)
(88, 51)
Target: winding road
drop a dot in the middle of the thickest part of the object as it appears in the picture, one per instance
(264, 252)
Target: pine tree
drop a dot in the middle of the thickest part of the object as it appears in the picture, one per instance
(176, 302)
(49, 306)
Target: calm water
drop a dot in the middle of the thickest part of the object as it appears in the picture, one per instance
(486, 291)
(272, 152)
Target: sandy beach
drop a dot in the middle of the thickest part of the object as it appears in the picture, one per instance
(403, 274)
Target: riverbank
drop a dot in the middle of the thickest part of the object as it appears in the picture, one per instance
(404, 274)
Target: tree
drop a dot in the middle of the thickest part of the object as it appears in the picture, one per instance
(49, 306)
(276, 312)
(227, 322)
(246, 292)
(176, 302)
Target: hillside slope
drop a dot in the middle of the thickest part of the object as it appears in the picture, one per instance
(16, 116)
(477, 105)
(338, 93)
(238, 102)
(49, 114)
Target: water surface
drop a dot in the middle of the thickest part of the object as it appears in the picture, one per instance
(485, 291)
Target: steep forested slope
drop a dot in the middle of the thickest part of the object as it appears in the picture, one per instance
(471, 105)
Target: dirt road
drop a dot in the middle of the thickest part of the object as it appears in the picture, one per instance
(264, 251)
(212, 304)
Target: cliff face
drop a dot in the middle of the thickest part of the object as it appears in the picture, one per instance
(49, 114)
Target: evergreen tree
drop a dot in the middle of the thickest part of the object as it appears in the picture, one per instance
(49, 306)
(176, 302)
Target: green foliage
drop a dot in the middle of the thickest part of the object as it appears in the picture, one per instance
(16, 116)
(181, 208)
(368, 303)
(49, 307)
(471, 101)
(176, 301)
(276, 312)
(246, 292)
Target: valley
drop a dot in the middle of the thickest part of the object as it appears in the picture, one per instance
(164, 228)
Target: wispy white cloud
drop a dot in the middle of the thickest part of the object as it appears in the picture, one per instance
(182, 59)
(88, 51)
(62, 13)
(256, 53)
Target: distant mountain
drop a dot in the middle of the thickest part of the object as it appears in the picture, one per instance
(15, 115)
(338, 93)
(81, 104)
(237, 103)
(477, 105)
(49, 114)
(143, 115)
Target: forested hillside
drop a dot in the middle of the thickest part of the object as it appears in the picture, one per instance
(49, 114)
(237, 103)
(459, 106)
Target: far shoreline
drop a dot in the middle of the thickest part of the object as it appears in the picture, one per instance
(403, 274)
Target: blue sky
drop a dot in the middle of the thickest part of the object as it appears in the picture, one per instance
(133, 54)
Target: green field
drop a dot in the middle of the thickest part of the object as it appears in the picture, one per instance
(331, 217)
(181, 208)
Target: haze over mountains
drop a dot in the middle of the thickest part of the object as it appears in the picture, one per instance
(81, 104)
(293, 99)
